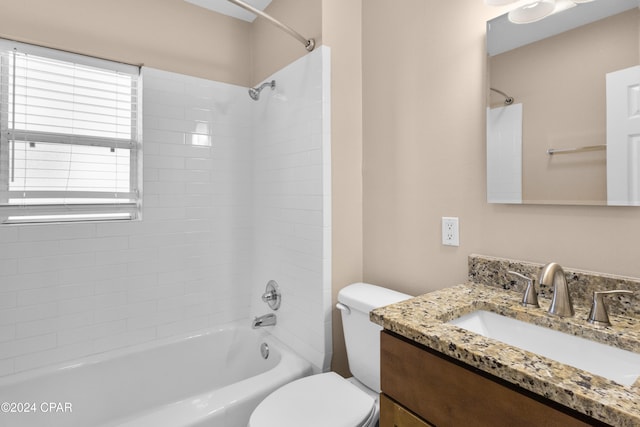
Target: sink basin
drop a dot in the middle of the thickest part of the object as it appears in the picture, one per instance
(618, 365)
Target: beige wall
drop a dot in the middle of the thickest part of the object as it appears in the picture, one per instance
(560, 82)
(342, 31)
(272, 48)
(424, 158)
(171, 35)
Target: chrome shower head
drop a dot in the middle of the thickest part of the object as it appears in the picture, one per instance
(254, 92)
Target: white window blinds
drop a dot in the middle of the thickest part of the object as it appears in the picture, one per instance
(69, 145)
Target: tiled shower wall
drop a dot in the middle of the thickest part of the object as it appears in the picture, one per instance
(292, 204)
(72, 290)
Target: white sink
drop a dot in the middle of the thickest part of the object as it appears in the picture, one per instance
(621, 366)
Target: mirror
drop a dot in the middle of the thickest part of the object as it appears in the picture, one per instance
(571, 135)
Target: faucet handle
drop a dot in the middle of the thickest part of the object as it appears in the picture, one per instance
(272, 295)
(598, 314)
(530, 297)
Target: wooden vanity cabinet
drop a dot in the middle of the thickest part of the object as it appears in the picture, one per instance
(394, 415)
(420, 385)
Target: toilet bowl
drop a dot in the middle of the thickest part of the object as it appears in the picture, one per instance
(319, 400)
(328, 399)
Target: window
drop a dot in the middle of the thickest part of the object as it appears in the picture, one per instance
(69, 144)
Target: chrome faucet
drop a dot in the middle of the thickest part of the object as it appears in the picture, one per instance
(265, 320)
(553, 275)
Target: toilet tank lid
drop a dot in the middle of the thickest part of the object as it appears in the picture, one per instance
(366, 297)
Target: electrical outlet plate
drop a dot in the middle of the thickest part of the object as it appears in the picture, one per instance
(450, 231)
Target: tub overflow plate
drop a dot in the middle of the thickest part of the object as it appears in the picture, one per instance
(264, 350)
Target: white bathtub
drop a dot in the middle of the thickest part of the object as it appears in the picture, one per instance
(215, 379)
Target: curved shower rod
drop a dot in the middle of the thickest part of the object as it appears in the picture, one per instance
(309, 44)
(508, 100)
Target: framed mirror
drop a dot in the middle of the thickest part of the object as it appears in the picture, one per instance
(563, 114)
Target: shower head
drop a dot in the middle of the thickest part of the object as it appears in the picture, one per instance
(254, 92)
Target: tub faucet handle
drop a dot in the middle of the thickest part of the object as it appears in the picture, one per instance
(598, 314)
(272, 295)
(269, 296)
(530, 296)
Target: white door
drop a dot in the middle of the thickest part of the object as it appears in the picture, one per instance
(623, 137)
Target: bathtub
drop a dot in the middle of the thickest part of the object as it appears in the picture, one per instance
(214, 378)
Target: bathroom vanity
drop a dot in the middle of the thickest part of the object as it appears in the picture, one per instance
(446, 392)
(436, 373)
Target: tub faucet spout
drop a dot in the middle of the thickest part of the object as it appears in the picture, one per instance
(265, 320)
(553, 275)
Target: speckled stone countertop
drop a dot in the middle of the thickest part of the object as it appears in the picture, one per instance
(423, 320)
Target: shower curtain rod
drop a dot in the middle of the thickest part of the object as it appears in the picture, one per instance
(309, 44)
(508, 100)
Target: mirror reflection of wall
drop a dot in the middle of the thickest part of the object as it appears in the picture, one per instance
(560, 85)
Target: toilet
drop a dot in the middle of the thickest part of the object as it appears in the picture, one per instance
(328, 399)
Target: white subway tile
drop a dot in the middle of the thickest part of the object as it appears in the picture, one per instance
(46, 326)
(164, 162)
(106, 301)
(28, 249)
(29, 281)
(156, 108)
(88, 333)
(29, 233)
(29, 313)
(52, 356)
(163, 187)
(117, 228)
(24, 346)
(95, 244)
(7, 367)
(90, 274)
(53, 293)
(8, 300)
(201, 163)
(156, 240)
(111, 314)
(8, 267)
(55, 262)
(123, 256)
(143, 294)
(7, 333)
(153, 139)
(77, 305)
(142, 308)
(9, 234)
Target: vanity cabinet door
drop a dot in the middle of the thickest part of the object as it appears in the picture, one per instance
(448, 393)
(394, 415)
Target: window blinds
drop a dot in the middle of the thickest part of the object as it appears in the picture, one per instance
(69, 145)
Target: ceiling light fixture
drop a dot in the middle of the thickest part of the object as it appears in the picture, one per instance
(498, 2)
(532, 12)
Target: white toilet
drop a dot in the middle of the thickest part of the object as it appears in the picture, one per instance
(329, 400)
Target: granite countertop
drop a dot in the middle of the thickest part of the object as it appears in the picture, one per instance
(423, 320)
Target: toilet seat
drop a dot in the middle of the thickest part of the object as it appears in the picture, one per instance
(317, 401)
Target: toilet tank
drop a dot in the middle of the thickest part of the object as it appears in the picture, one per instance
(362, 337)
